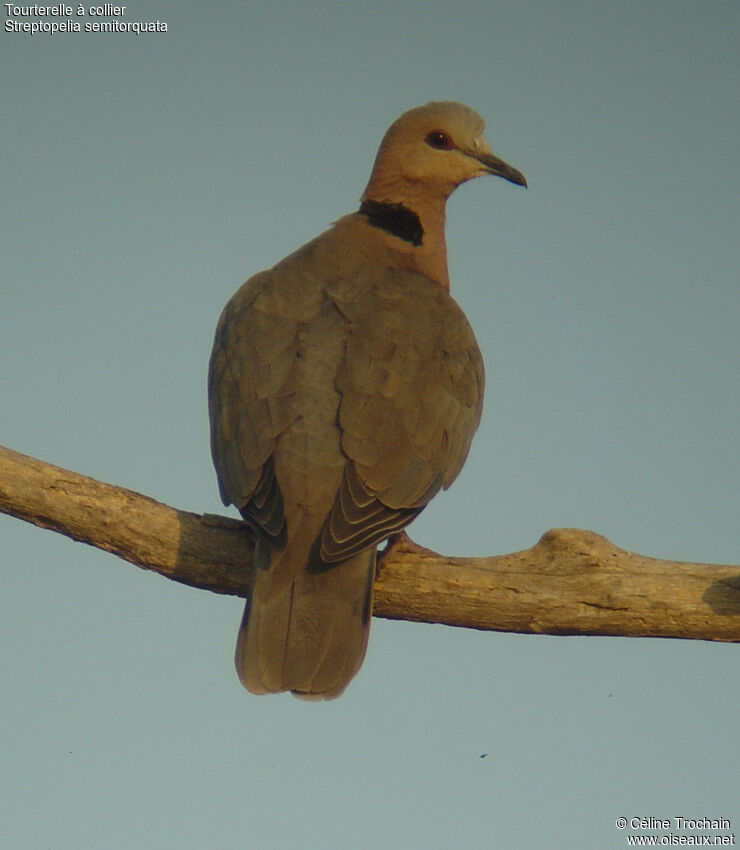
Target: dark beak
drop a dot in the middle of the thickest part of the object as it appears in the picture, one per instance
(500, 168)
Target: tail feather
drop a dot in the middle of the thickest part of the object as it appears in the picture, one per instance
(310, 636)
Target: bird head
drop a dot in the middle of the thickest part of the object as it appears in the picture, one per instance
(434, 148)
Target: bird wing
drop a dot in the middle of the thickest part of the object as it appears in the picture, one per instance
(410, 391)
(411, 384)
(251, 382)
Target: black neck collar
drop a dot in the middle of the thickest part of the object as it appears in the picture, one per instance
(395, 219)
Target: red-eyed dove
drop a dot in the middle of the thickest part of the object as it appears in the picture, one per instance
(345, 386)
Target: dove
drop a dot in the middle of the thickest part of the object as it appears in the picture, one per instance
(345, 386)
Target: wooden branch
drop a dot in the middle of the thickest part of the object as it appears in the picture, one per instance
(571, 582)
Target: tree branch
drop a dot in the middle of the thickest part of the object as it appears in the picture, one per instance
(570, 582)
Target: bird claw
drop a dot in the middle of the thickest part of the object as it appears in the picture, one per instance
(401, 542)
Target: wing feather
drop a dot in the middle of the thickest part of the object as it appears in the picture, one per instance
(411, 384)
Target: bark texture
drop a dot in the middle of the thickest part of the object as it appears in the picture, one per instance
(571, 582)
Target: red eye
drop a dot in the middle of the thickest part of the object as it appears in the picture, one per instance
(439, 140)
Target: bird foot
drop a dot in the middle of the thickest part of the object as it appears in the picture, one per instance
(401, 542)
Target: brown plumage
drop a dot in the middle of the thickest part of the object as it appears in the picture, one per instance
(345, 386)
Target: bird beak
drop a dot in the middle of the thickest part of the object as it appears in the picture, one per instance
(494, 165)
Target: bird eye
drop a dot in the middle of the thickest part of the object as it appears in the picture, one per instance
(439, 140)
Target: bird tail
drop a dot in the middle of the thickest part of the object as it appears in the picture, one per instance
(307, 636)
